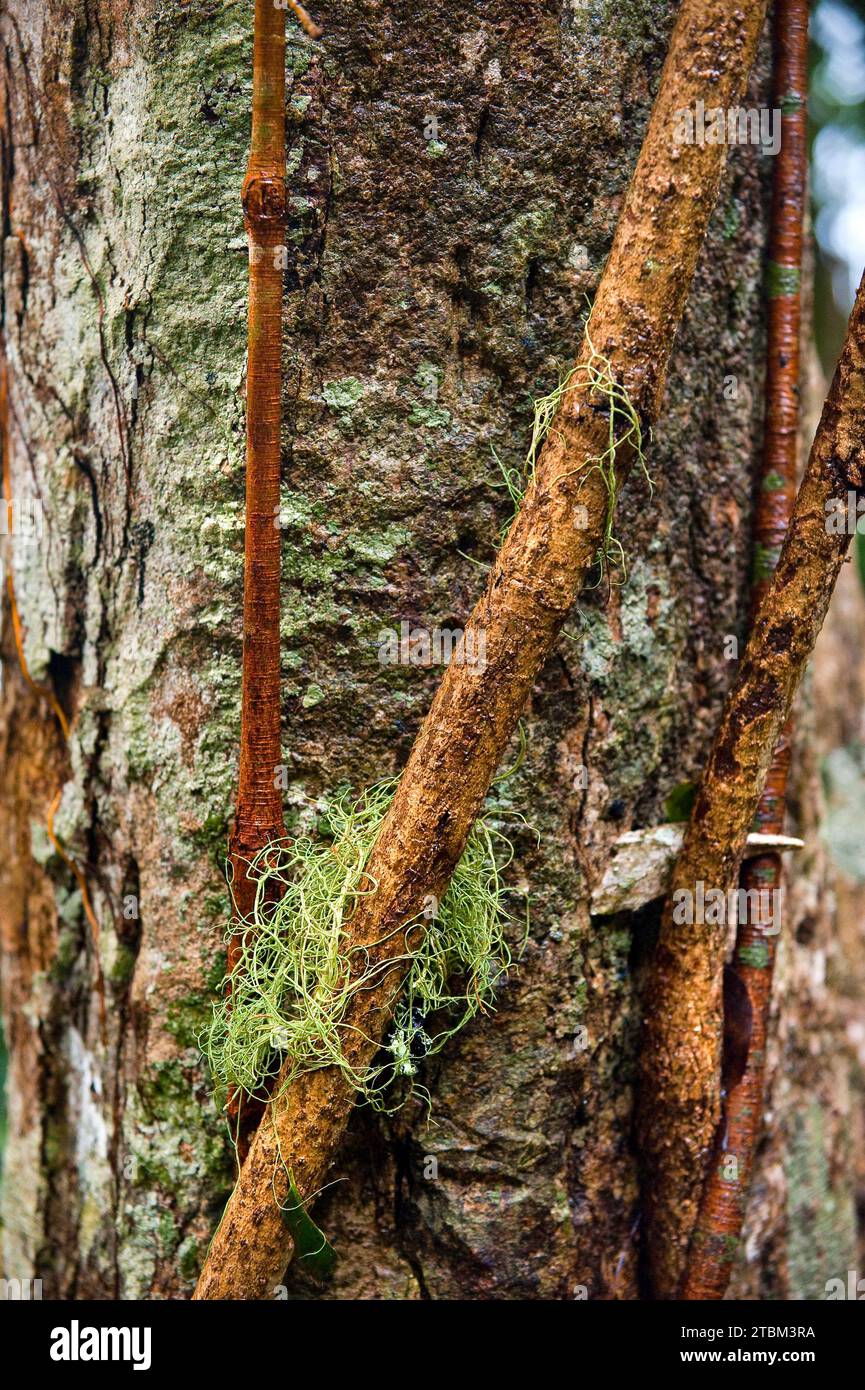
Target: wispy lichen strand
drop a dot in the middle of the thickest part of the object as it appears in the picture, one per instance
(298, 967)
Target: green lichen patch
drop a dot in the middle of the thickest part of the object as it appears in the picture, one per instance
(756, 955)
(782, 280)
(343, 394)
(821, 1218)
(773, 482)
(298, 972)
(431, 417)
(765, 559)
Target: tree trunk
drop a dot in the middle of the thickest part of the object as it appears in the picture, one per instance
(454, 180)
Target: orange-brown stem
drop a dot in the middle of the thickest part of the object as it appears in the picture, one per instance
(681, 1046)
(307, 24)
(722, 1207)
(258, 815)
(551, 545)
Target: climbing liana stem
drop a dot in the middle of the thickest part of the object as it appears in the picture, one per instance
(680, 1050)
(258, 815)
(722, 1207)
(549, 549)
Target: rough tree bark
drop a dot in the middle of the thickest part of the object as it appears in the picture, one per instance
(453, 187)
(541, 568)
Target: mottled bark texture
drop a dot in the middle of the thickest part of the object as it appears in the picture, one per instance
(538, 572)
(680, 1090)
(454, 182)
(722, 1205)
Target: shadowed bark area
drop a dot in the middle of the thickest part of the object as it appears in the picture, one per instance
(453, 187)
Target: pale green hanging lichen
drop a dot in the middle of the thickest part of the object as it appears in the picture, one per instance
(298, 970)
(595, 377)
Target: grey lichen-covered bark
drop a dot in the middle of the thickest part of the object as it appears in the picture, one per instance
(454, 181)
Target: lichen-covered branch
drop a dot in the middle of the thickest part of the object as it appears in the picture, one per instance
(554, 540)
(681, 1046)
(722, 1208)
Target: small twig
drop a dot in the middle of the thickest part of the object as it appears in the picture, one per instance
(307, 24)
(681, 1047)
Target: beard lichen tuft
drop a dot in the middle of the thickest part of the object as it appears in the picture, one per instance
(595, 377)
(298, 969)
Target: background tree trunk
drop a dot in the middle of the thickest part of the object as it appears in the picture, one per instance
(454, 179)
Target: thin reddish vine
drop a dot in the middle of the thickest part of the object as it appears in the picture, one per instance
(725, 1194)
(258, 816)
